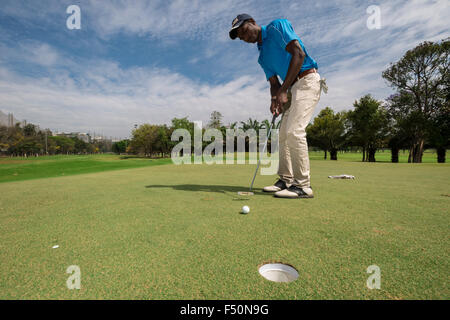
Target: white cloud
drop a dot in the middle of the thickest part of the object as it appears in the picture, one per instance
(160, 19)
(34, 53)
(110, 99)
(41, 54)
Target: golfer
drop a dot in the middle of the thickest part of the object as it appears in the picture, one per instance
(282, 54)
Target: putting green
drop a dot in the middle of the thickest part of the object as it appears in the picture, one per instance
(176, 232)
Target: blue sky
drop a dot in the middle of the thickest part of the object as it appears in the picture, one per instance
(137, 62)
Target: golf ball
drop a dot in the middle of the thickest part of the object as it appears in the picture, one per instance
(245, 209)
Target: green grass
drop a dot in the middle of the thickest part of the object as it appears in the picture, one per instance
(175, 232)
(18, 168)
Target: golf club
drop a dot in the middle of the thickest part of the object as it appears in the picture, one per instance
(250, 193)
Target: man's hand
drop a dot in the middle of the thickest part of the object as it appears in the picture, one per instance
(274, 109)
(282, 97)
(279, 96)
(278, 101)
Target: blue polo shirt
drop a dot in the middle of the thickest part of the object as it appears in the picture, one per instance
(273, 57)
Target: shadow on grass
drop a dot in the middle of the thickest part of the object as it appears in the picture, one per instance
(207, 188)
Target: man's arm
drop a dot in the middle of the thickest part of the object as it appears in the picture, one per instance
(274, 87)
(298, 56)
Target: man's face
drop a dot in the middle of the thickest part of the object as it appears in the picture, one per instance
(248, 32)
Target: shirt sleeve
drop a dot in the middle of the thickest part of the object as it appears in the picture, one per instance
(282, 32)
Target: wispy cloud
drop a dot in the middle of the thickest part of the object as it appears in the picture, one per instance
(41, 54)
(109, 98)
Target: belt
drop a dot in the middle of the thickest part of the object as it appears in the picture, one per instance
(304, 73)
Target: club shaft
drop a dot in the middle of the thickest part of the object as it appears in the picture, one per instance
(264, 150)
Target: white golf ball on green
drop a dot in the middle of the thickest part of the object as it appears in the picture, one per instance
(245, 209)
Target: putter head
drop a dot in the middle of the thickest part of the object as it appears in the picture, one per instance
(245, 193)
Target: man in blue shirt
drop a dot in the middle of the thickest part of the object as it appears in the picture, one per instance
(282, 54)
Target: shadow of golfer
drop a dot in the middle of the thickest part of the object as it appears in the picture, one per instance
(206, 188)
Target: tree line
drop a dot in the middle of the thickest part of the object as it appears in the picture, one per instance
(414, 118)
(29, 140)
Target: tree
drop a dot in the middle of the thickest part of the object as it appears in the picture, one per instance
(439, 133)
(4, 147)
(62, 144)
(15, 136)
(233, 125)
(103, 145)
(52, 147)
(143, 140)
(251, 124)
(396, 138)
(404, 123)
(8, 137)
(421, 78)
(163, 143)
(120, 146)
(367, 126)
(327, 132)
(28, 145)
(266, 125)
(30, 130)
(182, 123)
(215, 120)
(79, 145)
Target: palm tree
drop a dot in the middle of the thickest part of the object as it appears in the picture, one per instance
(251, 124)
(266, 125)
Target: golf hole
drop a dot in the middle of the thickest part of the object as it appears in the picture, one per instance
(278, 272)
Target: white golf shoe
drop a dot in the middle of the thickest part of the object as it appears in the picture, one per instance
(294, 192)
(278, 186)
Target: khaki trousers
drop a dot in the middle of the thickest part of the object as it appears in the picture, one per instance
(294, 159)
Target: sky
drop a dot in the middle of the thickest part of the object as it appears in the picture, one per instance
(135, 62)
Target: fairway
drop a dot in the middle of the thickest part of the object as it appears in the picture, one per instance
(20, 168)
(176, 232)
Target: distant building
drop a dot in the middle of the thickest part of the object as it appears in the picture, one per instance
(10, 120)
(7, 119)
(84, 137)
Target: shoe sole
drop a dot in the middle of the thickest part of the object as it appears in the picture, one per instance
(297, 197)
(272, 191)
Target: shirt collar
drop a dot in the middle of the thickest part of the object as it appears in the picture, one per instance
(263, 36)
